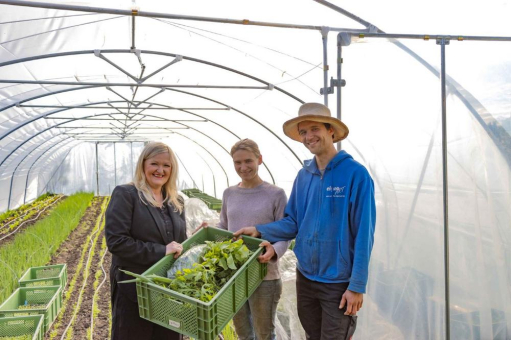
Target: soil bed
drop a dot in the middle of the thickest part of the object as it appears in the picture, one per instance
(70, 253)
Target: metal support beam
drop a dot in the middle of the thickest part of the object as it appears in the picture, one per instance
(74, 119)
(133, 46)
(212, 174)
(115, 167)
(119, 95)
(200, 61)
(63, 159)
(16, 168)
(128, 120)
(131, 158)
(432, 37)
(183, 92)
(343, 39)
(176, 60)
(97, 170)
(324, 91)
(442, 42)
(84, 83)
(98, 54)
(244, 22)
(126, 107)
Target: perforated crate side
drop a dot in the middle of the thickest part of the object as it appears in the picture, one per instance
(197, 319)
(22, 325)
(54, 275)
(50, 296)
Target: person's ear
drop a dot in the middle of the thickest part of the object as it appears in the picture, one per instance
(260, 160)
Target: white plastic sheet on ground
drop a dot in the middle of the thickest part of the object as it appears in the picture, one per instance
(391, 103)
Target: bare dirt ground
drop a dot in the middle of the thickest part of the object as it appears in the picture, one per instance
(70, 253)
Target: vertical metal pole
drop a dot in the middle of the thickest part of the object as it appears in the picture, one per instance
(97, 170)
(10, 191)
(442, 42)
(131, 152)
(115, 167)
(133, 33)
(339, 87)
(324, 36)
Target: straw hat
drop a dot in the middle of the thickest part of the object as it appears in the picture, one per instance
(317, 113)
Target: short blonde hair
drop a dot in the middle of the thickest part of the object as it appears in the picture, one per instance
(247, 145)
(169, 189)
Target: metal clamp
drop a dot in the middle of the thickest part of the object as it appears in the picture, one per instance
(443, 40)
(333, 84)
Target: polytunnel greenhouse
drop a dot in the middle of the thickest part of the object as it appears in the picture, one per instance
(425, 90)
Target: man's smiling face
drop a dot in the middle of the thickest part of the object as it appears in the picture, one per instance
(315, 136)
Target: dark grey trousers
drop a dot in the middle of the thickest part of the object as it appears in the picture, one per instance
(318, 310)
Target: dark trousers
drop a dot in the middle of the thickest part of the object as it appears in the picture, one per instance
(126, 322)
(318, 310)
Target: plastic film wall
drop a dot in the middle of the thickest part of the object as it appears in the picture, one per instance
(52, 134)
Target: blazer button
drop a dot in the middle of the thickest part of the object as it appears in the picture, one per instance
(168, 232)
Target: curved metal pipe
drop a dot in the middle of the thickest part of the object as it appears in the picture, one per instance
(177, 133)
(30, 169)
(74, 119)
(19, 163)
(63, 54)
(162, 105)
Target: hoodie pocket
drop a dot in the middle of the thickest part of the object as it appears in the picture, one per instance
(331, 262)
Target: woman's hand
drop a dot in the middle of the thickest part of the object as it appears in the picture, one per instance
(174, 248)
(269, 254)
(203, 225)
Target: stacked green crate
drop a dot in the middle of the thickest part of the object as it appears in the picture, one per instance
(54, 275)
(212, 202)
(22, 328)
(26, 301)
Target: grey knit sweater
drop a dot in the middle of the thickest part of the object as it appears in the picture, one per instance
(242, 207)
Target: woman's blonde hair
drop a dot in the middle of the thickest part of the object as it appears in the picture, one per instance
(247, 145)
(169, 189)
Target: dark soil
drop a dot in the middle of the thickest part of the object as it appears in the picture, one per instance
(70, 253)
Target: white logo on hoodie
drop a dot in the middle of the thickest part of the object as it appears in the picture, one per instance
(335, 191)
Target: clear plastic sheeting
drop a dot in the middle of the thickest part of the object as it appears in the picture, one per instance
(186, 260)
(288, 325)
(244, 81)
(198, 212)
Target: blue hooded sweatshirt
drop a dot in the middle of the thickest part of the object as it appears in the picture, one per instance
(332, 216)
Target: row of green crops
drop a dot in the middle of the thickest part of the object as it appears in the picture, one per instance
(35, 246)
(11, 224)
(14, 213)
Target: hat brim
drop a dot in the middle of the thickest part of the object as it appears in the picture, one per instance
(290, 127)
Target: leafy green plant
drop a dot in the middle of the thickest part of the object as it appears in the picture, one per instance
(220, 262)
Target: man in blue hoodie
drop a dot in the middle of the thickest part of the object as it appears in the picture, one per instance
(331, 213)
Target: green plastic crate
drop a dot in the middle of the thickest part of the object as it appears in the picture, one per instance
(54, 275)
(197, 319)
(50, 296)
(22, 325)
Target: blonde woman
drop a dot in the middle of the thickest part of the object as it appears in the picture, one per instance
(144, 222)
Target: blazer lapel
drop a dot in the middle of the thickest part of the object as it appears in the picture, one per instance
(158, 221)
(177, 223)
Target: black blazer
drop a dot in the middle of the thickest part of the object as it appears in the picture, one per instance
(135, 232)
